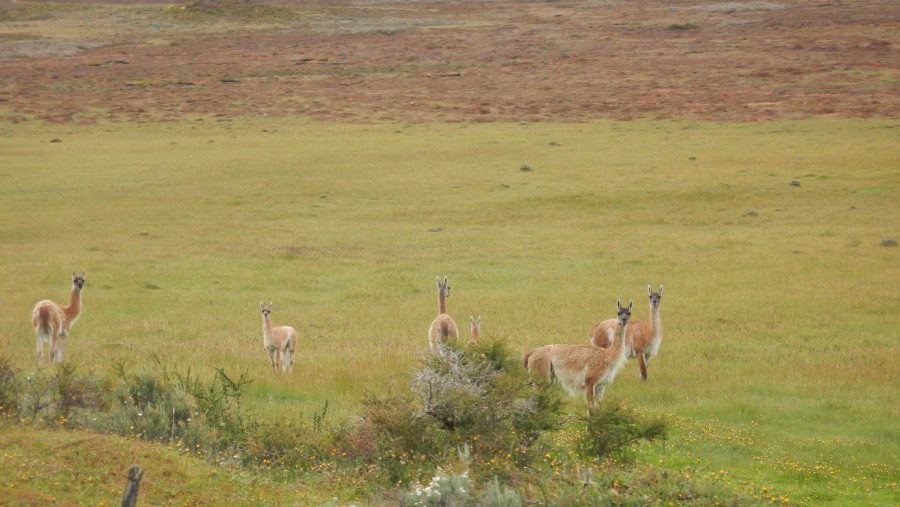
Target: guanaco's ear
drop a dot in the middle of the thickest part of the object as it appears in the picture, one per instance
(271, 304)
(649, 290)
(437, 279)
(630, 305)
(471, 319)
(445, 279)
(660, 290)
(618, 305)
(479, 320)
(73, 275)
(261, 305)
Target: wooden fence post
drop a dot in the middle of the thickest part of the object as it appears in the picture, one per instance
(131, 489)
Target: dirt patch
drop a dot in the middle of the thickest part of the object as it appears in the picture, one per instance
(452, 61)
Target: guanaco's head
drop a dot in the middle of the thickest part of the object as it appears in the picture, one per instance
(655, 297)
(475, 326)
(77, 281)
(623, 314)
(266, 309)
(443, 288)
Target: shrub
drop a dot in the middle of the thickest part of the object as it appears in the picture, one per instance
(444, 490)
(286, 446)
(219, 404)
(449, 388)
(9, 388)
(499, 496)
(484, 397)
(481, 397)
(611, 431)
(167, 406)
(149, 407)
(53, 396)
(390, 434)
(76, 395)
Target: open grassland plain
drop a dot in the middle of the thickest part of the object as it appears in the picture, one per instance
(779, 363)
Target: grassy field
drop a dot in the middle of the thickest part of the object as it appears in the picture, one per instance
(84, 468)
(779, 365)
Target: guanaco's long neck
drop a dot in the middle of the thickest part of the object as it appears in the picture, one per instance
(619, 352)
(73, 311)
(267, 328)
(656, 322)
(442, 303)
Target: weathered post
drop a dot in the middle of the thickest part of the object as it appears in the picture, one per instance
(131, 489)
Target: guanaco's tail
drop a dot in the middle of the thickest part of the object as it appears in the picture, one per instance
(43, 323)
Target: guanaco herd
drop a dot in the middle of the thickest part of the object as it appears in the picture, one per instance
(577, 368)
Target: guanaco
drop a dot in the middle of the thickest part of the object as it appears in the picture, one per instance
(52, 322)
(442, 327)
(474, 330)
(279, 342)
(584, 368)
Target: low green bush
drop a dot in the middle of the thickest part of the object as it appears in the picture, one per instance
(612, 430)
(9, 388)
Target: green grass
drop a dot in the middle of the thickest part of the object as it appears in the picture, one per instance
(781, 345)
(41, 467)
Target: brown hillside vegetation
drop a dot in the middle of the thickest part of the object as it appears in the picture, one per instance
(373, 60)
